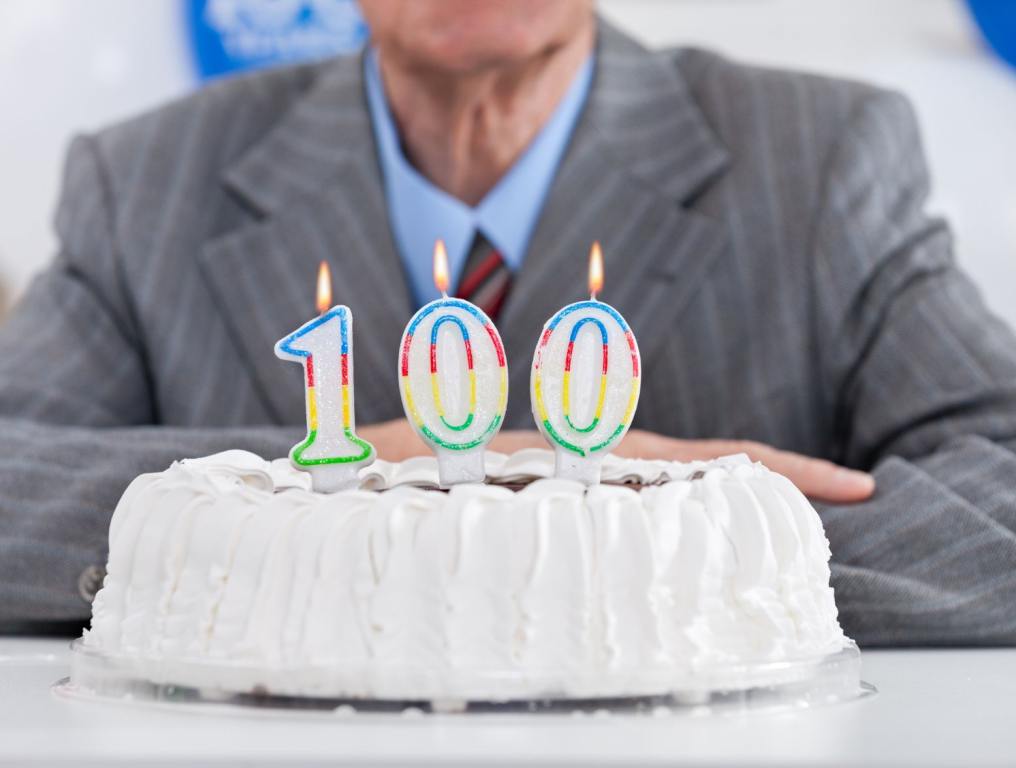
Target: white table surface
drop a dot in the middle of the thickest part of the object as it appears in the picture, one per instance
(934, 708)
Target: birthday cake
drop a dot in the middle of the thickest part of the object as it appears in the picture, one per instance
(466, 575)
(229, 572)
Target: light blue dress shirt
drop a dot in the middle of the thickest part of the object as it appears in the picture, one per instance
(420, 212)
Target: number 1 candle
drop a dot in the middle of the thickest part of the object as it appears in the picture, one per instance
(332, 453)
(453, 377)
(585, 381)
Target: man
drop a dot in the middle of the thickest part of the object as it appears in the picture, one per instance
(764, 236)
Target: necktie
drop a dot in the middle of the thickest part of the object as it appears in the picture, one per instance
(486, 279)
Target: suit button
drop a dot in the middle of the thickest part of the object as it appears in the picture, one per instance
(90, 582)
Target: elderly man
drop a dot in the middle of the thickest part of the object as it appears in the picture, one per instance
(764, 236)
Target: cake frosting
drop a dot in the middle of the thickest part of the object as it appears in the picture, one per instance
(228, 571)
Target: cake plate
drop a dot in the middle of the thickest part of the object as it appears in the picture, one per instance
(229, 687)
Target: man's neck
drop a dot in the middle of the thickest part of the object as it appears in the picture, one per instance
(463, 131)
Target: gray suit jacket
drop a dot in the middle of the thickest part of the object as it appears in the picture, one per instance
(765, 238)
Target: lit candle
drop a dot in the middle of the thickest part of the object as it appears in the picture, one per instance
(453, 379)
(585, 381)
(331, 452)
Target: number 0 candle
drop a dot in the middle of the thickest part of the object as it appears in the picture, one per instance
(585, 381)
(331, 452)
(454, 380)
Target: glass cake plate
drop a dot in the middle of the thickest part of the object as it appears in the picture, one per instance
(226, 686)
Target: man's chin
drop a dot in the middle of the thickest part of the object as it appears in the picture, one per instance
(473, 56)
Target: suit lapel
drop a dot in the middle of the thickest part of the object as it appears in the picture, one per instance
(315, 183)
(640, 151)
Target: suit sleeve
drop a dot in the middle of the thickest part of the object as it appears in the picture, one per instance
(922, 380)
(77, 413)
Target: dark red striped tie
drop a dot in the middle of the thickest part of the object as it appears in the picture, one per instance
(486, 278)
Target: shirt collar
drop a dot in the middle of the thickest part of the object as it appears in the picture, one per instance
(420, 212)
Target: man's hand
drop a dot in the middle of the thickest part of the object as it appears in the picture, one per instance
(817, 478)
(395, 440)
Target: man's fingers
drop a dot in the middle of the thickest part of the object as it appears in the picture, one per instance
(851, 486)
(394, 440)
(511, 440)
(818, 478)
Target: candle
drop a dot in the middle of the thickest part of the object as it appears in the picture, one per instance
(453, 380)
(332, 453)
(585, 381)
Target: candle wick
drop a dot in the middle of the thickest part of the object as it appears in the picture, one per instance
(444, 294)
(592, 295)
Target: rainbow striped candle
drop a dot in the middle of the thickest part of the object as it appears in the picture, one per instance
(331, 452)
(585, 381)
(453, 378)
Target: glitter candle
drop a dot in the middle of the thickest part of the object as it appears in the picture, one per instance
(332, 453)
(585, 381)
(454, 380)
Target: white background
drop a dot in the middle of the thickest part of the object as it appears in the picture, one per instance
(68, 66)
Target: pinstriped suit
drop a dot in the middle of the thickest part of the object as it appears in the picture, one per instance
(765, 238)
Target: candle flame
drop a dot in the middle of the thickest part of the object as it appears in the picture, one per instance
(324, 288)
(441, 266)
(595, 269)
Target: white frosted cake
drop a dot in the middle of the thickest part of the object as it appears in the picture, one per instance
(228, 572)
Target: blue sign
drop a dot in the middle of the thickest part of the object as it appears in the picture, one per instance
(237, 35)
(997, 20)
